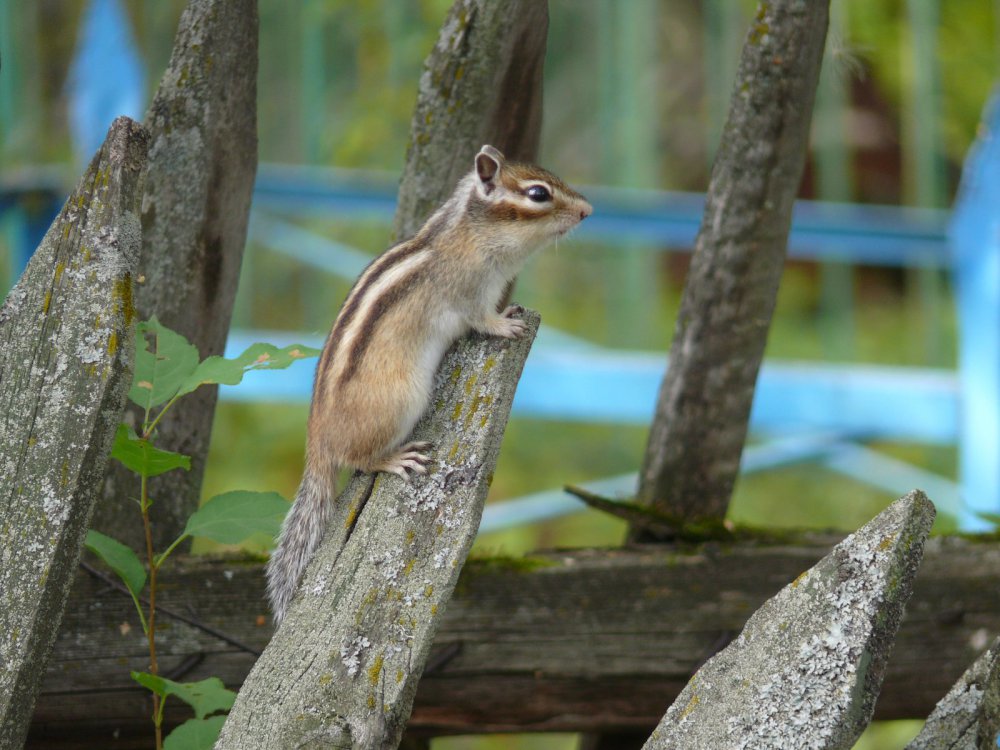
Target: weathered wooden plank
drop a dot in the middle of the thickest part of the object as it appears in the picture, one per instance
(569, 641)
(65, 367)
(808, 666)
(195, 209)
(343, 667)
(482, 83)
(968, 717)
(697, 436)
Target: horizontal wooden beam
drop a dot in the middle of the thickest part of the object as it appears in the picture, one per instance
(565, 641)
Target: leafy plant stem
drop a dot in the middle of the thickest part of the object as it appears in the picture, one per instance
(166, 553)
(151, 621)
(148, 431)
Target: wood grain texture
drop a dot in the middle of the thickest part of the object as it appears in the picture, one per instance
(195, 209)
(697, 436)
(572, 641)
(343, 667)
(65, 367)
(807, 668)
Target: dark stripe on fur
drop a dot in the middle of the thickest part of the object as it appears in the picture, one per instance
(389, 299)
(372, 273)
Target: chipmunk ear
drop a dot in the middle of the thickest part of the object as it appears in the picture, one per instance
(489, 162)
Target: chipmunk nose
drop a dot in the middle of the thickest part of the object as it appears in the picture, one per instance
(586, 211)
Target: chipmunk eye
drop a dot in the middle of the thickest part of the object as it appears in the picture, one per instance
(538, 193)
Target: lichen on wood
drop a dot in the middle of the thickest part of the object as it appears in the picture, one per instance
(65, 367)
(968, 717)
(702, 411)
(195, 209)
(343, 667)
(808, 666)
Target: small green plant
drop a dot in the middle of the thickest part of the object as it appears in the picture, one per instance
(167, 368)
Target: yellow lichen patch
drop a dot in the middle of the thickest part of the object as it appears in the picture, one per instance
(692, 704)
(366, 602)
(375, 670)
(428, 590)
(399, 676)
(886, 543)
(122, 294)
(457, 412)
(409, 566)
(411, 535)
(46, 302)
(60, 267)
(434, 609)
(352, 515)
(489, 364)
(455, 375)
(325, 679)
(112, 343)
(801, 577)
(371, 701)
(470, 384)
(476, 401)
(453, 452)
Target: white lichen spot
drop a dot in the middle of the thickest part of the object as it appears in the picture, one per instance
(91, 347)
(350, 654)
(442, 557)
(390, 564)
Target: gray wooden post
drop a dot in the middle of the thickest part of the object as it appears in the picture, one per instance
(808, 666)
(482, 83)
(202, 164)
(65, 367)
(697, 435)
(968, 717)
(343, 667)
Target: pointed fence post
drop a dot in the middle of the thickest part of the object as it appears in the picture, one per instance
(482, 83)
(343, 668)
(968, 717)
(202, 164)
(65, 367)
(703, 408)
(808, 666)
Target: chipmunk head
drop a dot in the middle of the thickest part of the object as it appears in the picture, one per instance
(521, 202)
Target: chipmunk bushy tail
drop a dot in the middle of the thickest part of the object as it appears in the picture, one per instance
(300, 535)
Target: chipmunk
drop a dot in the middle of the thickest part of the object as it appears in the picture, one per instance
(374, 376)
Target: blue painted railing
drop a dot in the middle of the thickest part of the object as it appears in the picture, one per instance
(811, 411)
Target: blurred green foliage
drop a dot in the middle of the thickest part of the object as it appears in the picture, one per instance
(337, 83)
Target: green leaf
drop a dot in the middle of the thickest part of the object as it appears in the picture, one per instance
(141, 457)
(121, 559)
(160, 372)
(256, 357)
(205, 696)
(231, 517)
(195, 734)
